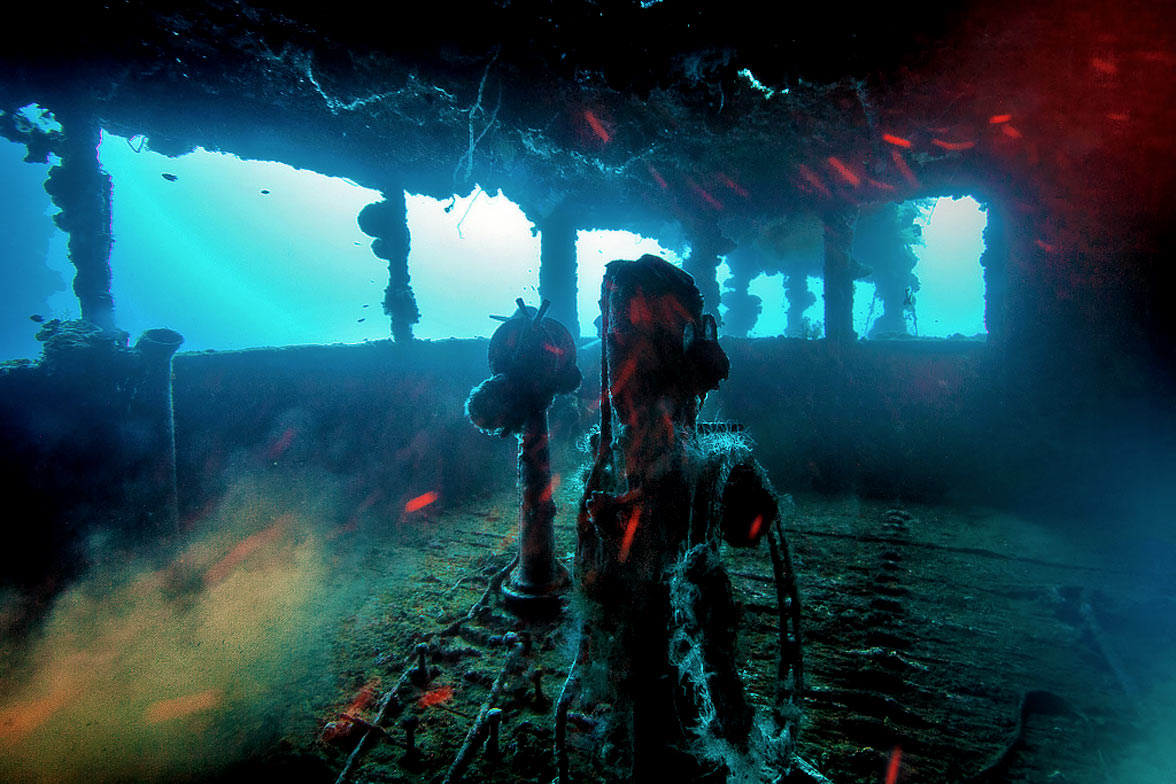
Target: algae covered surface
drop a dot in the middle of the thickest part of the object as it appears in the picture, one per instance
(979, 645)
(968, 644)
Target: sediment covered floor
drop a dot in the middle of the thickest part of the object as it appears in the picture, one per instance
(984, 646)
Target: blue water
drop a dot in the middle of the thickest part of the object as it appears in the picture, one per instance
(950, 299)
(35, 274)
(237, 253)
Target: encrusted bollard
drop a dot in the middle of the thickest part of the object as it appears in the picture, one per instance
(420, 675)
(493, 721)
(540, 699)
(533, 358)
(410, 724)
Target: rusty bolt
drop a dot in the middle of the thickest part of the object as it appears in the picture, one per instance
(410, 724)
(493, 721)
(537, 680)
(421, 674)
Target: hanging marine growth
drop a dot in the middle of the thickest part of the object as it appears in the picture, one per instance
(659, 626)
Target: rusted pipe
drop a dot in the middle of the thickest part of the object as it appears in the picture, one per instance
(152, 430)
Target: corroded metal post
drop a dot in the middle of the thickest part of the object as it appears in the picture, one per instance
(557, 267)
(387, 222)
(533, 359)
(80, 187)
(707, 243)
(539, 575)
(839, 224)
(665, 492)
(154, 424)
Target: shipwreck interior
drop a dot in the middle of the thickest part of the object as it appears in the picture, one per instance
(625, 537)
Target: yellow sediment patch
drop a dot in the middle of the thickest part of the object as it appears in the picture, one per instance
(21, 718)
(149, 675)
(224, 567)
(178, 707)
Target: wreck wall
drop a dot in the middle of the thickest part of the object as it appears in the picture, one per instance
(892, 418)
(916, 420)
(388, 418)
(882, 417)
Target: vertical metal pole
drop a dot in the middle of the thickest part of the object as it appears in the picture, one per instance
(557, 269)
(155, 420)
(539, 575)
(839, 225)
(707, 243)
(387, 222)
(82, 190)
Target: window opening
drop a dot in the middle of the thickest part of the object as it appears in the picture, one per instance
(812, 321)
(238, 253)
(951, 294)
(921, 267)
(471, 257)
(35, 275)
(773, 315)
(594, 250)
(723, 275)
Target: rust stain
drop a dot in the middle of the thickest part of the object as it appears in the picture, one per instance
(437, 696)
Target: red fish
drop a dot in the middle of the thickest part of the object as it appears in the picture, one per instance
(953, 146)
(845, 172)
(597, 127)
(813, 180)
(893, 767)
(657, 177)
(705, 195)
(279, 446)
(549, 491)
(1104, 66)
(630, 532)
(756, 525)
(178, 707)
(421, 501)
(624, 374)
(730, 183)
(905, 170)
